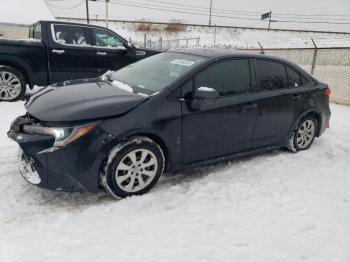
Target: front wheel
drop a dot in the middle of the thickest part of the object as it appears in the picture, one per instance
(304, 135)
(133, 168)
(12, 84)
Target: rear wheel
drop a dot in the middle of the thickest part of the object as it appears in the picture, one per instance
(133, 168)
(304, 135)
(12, 84)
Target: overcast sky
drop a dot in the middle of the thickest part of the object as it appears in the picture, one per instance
(239, 13)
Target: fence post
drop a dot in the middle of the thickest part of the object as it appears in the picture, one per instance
(187, 42)
(144, 41)
(261, 48)
(161, 43)
(198, 41)
(214, 35)
(314, 57)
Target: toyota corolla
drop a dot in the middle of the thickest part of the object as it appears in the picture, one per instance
(174, 110)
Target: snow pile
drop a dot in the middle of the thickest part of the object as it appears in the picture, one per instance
(272, 207)
(123, 86)
(206, 89)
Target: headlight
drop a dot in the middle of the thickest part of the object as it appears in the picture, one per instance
(62, 135)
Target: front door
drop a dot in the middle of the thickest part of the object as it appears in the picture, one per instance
(71, 55)
(224, 125)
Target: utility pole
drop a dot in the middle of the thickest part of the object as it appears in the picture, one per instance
(87, 11)
(211, 4)
(270, 20)
(107, 13)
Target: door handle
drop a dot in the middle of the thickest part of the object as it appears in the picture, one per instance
(249, 106)
(58, 51)
(296, 97)
(101, 53)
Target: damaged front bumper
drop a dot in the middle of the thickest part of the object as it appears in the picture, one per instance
(73, 168)
(27, 169)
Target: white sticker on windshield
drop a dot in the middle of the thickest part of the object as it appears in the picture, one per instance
(182, 62)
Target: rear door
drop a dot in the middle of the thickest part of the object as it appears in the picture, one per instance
(280, 93)
(71, 55)
(223, 125)
(111, 50)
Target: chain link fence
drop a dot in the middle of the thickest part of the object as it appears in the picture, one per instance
(329, 65)
(166, 44)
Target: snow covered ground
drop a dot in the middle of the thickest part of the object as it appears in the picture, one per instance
(272, 207)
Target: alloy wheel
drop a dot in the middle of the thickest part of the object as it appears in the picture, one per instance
(10, 86)
(305, 134)
(136, 170)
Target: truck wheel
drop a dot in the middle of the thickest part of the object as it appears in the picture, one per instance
(12, 84)
(133, 168)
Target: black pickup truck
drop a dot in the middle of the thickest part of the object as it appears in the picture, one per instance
(57, 51)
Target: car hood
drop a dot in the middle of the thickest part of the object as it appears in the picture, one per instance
(79, 100)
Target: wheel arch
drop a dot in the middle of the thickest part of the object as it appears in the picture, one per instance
(312, 112)
(159, 141)
(20, 66)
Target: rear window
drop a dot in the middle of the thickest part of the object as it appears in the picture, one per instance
(272, 75)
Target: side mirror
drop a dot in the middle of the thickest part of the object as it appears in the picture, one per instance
(203, 94)
(206, 93)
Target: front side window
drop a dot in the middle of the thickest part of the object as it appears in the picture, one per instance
(104, 38)
(227, 78)
(70, 35)
(272, 75)
(154, 73)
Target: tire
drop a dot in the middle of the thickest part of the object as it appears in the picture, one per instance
(304, 135)
(132, 168)
(12, 84)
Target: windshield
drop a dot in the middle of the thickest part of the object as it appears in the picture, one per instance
(153, 74)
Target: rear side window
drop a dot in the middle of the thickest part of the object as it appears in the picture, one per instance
(70, 35)
(37, 31)
(227, 78)
(295, 78)
(272, 75)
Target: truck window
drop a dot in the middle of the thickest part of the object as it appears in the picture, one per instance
(104, 38)
(69, 35)
(37, 31)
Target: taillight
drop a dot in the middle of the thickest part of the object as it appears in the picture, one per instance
(327, 92)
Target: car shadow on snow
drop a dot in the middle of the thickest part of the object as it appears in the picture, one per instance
(63, 199)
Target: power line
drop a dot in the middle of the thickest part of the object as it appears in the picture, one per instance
(313, 22)
(176, 11)
(216, 15)
(248, 13)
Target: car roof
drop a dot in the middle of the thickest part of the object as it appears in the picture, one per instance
(71, 23)
(217, 53)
